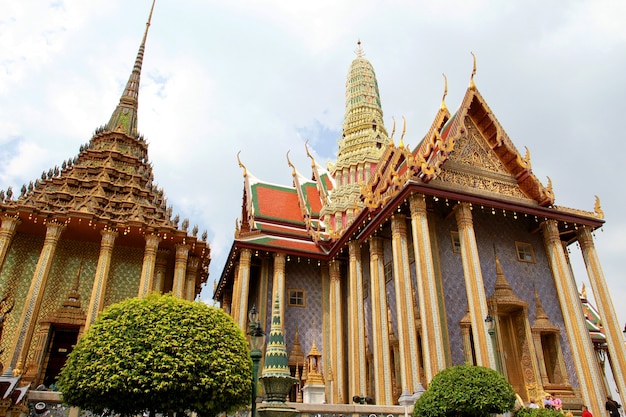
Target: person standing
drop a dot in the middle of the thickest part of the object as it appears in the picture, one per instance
(586, 412)
(612, 407)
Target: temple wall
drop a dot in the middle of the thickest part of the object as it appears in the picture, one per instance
(500, 232)
(15, 276)
(308, 319)
(124, 274)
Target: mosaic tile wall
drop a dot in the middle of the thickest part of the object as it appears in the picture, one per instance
(499, 233)
(15, 277)
(308, 319)
(70, 256)
(124, 275)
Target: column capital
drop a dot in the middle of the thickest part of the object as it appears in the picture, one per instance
(333, 269)
(192, 264)
(463, 215)
(182, 251)
(108, 238)
(53, 231)
(376, 246)
(398, 224)
(551, 232)
(9, 223)
(417, 203)
(585, 238)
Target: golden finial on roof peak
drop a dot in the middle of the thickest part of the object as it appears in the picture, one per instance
(359, 51)
(306, 146)
(145, 35)
(445, 92)
(245, 171)
(393, 131)
(401, 144)
(293, 168)
(472, 85)
(597, 208)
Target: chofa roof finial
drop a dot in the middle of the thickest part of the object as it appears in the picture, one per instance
(472, 85)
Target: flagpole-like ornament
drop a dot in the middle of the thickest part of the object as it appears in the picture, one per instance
(276, 377)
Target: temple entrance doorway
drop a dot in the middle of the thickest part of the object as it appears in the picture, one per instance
(62, 341)
(512, 342)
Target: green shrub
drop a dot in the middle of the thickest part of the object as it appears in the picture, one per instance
(159, 353)
(466, 391)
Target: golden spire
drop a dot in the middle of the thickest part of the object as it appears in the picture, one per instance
(445, 92)
(472, 85)
(359, 51)
(245, 171)
(124, 117)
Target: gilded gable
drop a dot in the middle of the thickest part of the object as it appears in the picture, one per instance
(473, 164)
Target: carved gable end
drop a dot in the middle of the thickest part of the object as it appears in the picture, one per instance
(473, 164)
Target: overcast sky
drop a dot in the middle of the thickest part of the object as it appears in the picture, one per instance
(263, 77)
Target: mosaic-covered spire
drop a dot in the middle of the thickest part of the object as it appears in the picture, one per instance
(124, 118)
(364, 134)
(276, 361)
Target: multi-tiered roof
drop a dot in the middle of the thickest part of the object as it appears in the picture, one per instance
(108, 185)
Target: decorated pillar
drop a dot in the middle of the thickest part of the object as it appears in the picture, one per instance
(149, 263)
(407, 335)
(357, 361)
(380, 327)
(159, 270)
(180, 268)
(7, 231)
(98, 290)
(602, 297)
(575, 325)
(433, 346)
(336, 335)
(476, 300)
(192, 271)
(278, 284)
(234, 300)
(32, 304)
(243, 289)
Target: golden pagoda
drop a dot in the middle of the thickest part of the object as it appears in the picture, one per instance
(91, 231)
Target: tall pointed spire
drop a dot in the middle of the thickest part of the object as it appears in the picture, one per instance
(124, 118)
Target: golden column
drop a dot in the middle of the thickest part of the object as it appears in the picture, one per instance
(337, 388)
(432, 339)
(476, 300)
(357, 361)
(192, 271)
(243, 288)
(575, 325)
(407, 335)
(278, 284)
(159, 270)
(98, 289)
(7, 231)
(612, 328)
(30, 311)
(149, 263)
(180, 267)
(234, 309)
(380, 327)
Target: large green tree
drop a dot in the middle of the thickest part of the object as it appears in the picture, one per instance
(466, 391)
(159, 354)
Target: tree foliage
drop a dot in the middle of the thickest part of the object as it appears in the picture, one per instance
(468, 391)
(160, 354)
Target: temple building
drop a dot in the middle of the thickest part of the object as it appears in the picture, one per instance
(88, 233)
(396, 262)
